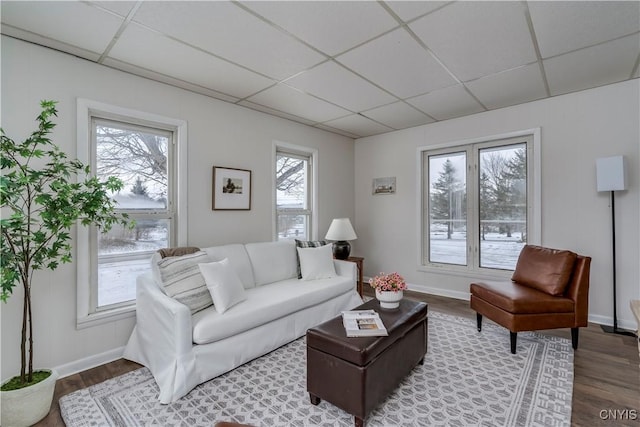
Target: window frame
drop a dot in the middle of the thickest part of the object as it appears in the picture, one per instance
(311, 154)
(87, 312)
(473, 146)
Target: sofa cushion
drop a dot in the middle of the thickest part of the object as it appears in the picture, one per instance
(544, 269)
(223, 283)
(308, 244)
(272, 261)
(238, 259)
(181, 280)
(265, 304)
(517, 299)
(316, 263)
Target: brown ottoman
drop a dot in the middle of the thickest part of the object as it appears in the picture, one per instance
(356, 374)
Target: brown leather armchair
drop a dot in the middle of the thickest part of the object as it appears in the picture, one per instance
(549, 289)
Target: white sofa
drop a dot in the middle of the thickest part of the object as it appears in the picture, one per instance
(183, 350)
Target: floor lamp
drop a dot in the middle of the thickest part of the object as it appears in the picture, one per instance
(611, 176)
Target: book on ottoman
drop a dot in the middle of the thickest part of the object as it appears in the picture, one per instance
(363, 323)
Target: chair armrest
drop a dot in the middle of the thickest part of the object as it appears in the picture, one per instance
(163, 324)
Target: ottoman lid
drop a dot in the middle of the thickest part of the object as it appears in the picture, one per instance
(330, 336)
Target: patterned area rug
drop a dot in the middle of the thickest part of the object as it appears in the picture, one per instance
(468, 378)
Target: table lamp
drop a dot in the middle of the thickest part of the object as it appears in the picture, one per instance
(341, 230)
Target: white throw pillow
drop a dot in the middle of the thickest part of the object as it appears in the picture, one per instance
(181, 280)
(224, 284)
(316, 263)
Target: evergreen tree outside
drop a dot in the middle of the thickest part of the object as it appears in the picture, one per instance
(444, 195)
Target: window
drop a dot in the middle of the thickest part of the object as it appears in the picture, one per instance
(480, 203)
(143, 151)
(141, 157)
(294, 195)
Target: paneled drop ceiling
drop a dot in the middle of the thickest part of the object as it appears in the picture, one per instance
(356, 68)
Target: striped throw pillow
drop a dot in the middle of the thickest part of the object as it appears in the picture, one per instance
(182, 280)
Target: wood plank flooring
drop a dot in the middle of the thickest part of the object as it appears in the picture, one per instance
(606, 374)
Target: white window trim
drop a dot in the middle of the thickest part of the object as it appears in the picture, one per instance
(85, 109)
(313, 153)
(534, 234)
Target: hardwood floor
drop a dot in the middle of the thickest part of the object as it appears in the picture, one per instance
(606, 372)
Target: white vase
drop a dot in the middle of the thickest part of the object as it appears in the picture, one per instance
(28, 405)
(389, 299)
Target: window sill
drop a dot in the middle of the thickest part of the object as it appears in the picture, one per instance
(470, 274)
(106, 316)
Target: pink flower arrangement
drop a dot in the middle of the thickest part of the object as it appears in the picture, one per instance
(388, 282)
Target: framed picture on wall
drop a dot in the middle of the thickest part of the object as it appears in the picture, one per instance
(231, 189)
(386, 185)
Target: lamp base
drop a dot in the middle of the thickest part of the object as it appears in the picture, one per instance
(618, 331)
(341, 249)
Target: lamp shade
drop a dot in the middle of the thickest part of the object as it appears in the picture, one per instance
(341, 229)
(611, 173)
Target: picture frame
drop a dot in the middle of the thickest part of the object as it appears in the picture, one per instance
(385, 185)
(231, 189)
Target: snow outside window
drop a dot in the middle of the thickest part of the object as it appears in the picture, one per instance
(478, 204)
(293, 188)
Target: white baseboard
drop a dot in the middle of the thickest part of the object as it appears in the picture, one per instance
(630, 325)
(89, 362)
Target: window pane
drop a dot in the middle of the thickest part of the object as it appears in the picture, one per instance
(503, 205)
(293, 226)
(291, 182)
(123, 254)
(448, 209)
(139, 159)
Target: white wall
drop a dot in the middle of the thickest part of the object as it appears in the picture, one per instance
(220, 134)
(576, 129)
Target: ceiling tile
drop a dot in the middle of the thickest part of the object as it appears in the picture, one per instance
(562, 26)
(336, 84)
(163, 78)
(593, 66)
(408, 10)
(330, 26)
(447, 103)
(398, 115)
(336, 130)
(399, 64)
(292, 101)
(278, 113)
(122, 8)
(358, 125)
(229, 31)
(149, 49)
(474, 39)
(74, 23)
(522, 84)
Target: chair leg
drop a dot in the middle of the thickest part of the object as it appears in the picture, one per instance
(574, 338)
(514, 339)
(479, 321)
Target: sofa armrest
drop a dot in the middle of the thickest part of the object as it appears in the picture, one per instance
(163, 324)
(347, 269)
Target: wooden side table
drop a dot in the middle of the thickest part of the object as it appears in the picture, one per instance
(358, 261)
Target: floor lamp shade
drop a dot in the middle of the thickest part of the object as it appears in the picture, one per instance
(611, 173)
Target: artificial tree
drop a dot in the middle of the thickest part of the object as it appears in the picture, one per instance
(43, 195)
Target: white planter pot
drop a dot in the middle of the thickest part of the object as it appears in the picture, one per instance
(28, 405)
(389, 299)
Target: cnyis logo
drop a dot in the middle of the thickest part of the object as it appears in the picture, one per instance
(619, 414)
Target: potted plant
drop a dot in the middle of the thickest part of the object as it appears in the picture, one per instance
(42, 196)
(389, 289)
